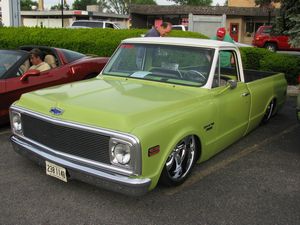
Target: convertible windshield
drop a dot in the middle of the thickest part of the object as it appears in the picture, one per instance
(163, 63)
(7, 60)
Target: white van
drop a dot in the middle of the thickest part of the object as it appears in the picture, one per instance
(94, 24)
(179, 27)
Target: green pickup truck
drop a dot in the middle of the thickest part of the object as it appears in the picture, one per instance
(159, 106)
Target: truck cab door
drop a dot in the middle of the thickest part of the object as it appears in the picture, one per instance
(232, 101)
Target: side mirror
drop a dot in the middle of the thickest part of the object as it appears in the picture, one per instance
(30, 73)
(232, 84)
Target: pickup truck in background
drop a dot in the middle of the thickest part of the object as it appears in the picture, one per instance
(159, 106)
(263, 38)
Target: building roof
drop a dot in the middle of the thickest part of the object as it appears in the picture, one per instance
(198, 10)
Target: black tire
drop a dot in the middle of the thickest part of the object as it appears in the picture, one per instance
(180, 162)
(269, 112)
(271, 47)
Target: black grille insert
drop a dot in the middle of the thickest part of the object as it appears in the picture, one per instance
(73, 141)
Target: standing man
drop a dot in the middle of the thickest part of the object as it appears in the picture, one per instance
(222, 36)
(226, 57)
(160, 31)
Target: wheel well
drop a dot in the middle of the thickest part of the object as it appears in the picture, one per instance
(198, 141)
(270, 42)
(275, 105)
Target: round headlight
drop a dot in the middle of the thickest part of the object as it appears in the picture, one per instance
(16, 122)
(121, 153)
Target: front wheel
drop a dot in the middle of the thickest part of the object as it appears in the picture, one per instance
(180, 162)
(271, 47)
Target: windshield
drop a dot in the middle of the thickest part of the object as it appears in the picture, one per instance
(163, 63)
(7, 60)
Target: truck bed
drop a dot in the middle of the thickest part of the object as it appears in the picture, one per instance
(250, 75)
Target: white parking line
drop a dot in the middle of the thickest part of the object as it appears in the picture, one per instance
(196, 177)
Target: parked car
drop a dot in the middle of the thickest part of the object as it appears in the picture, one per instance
(160, 106)
(179, 27)
(66, 66)
(94, 24)
(264, 38)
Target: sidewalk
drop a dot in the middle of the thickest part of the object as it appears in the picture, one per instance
(293, 90)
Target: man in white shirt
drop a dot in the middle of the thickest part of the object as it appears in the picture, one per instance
(36, 58)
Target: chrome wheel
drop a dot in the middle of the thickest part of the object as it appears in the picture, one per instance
(269, 111)
(271, 47)
(180, 162)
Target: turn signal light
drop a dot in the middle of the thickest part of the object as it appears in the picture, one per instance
(153, 150)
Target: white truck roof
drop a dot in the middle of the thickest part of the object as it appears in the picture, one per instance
(195, 42)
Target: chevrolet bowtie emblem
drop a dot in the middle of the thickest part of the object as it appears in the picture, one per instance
(56, 111)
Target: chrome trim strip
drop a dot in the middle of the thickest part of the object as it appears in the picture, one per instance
(113, 134)
(110, 181)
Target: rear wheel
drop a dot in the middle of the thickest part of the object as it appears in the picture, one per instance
(271, 47)
(180, 162)
(269, 112)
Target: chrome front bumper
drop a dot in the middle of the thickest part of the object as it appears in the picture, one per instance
(104, 179)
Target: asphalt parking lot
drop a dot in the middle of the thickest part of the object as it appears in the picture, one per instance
(254, 181)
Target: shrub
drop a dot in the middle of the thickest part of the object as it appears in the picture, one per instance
(263, 59)
(251, 57)
(103, 42)
(289, 65)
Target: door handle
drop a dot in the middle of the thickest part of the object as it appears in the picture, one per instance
(245, 94)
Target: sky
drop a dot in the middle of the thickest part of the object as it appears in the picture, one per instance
(49, 3)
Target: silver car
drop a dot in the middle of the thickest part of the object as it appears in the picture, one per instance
(94, 24)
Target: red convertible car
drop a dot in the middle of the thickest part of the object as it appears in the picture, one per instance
(66, 66)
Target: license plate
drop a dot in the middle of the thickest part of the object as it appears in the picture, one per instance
(56, 171)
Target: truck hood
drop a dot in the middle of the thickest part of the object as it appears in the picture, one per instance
(113, 103)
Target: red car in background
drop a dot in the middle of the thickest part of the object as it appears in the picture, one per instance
(263, 38)
(66, 66)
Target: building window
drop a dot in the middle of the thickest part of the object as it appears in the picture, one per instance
(251, 26)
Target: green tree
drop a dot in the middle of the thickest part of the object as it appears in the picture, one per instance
(81, 4)
(193, 2)
(111, 6)
(288, 21)
(122, 6)
(144, 2)
(27, 4)
(58, 7)
(267, 4)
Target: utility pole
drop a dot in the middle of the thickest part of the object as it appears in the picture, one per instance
(62, 13)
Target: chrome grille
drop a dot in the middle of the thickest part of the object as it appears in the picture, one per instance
(73, 141)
